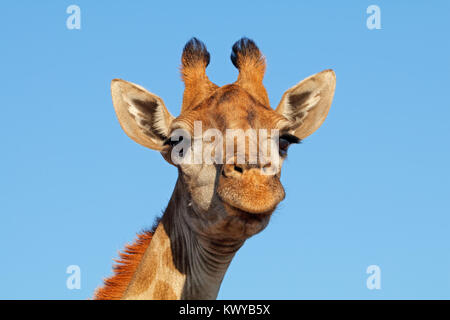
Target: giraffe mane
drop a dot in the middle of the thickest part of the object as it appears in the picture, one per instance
(124, 268)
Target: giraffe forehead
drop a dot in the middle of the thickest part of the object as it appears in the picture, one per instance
(231, 107)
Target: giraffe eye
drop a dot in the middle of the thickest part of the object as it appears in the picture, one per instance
(283, 145)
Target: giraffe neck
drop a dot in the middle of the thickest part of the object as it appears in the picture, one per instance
(179, 262)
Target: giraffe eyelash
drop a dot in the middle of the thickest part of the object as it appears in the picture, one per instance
(172, 143)
(291, 138)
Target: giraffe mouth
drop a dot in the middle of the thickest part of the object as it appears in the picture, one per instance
(245, 212)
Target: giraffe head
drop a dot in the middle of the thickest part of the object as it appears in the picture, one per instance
(217, 141)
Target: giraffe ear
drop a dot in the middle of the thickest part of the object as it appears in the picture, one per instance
(306, 104)
(142, 115)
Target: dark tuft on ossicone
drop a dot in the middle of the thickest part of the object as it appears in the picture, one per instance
(244, 48)
(195, 52)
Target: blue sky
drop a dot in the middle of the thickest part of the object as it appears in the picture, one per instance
(370, 187)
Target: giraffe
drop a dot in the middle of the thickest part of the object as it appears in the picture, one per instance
(214, 207)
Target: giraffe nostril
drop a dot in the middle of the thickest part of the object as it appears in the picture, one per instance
(233, 171)
(238, 169)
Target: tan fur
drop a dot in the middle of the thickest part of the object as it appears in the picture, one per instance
(156, 278)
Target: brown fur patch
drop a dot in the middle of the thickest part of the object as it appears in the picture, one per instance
(114, 287)
(164, 291)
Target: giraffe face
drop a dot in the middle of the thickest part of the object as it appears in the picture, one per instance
(228, 143)
(220, 136)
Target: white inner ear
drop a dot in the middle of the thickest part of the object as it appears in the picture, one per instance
(149, 123)
(138, 117)
(159, 121)
(306, 104)
(297, 113)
